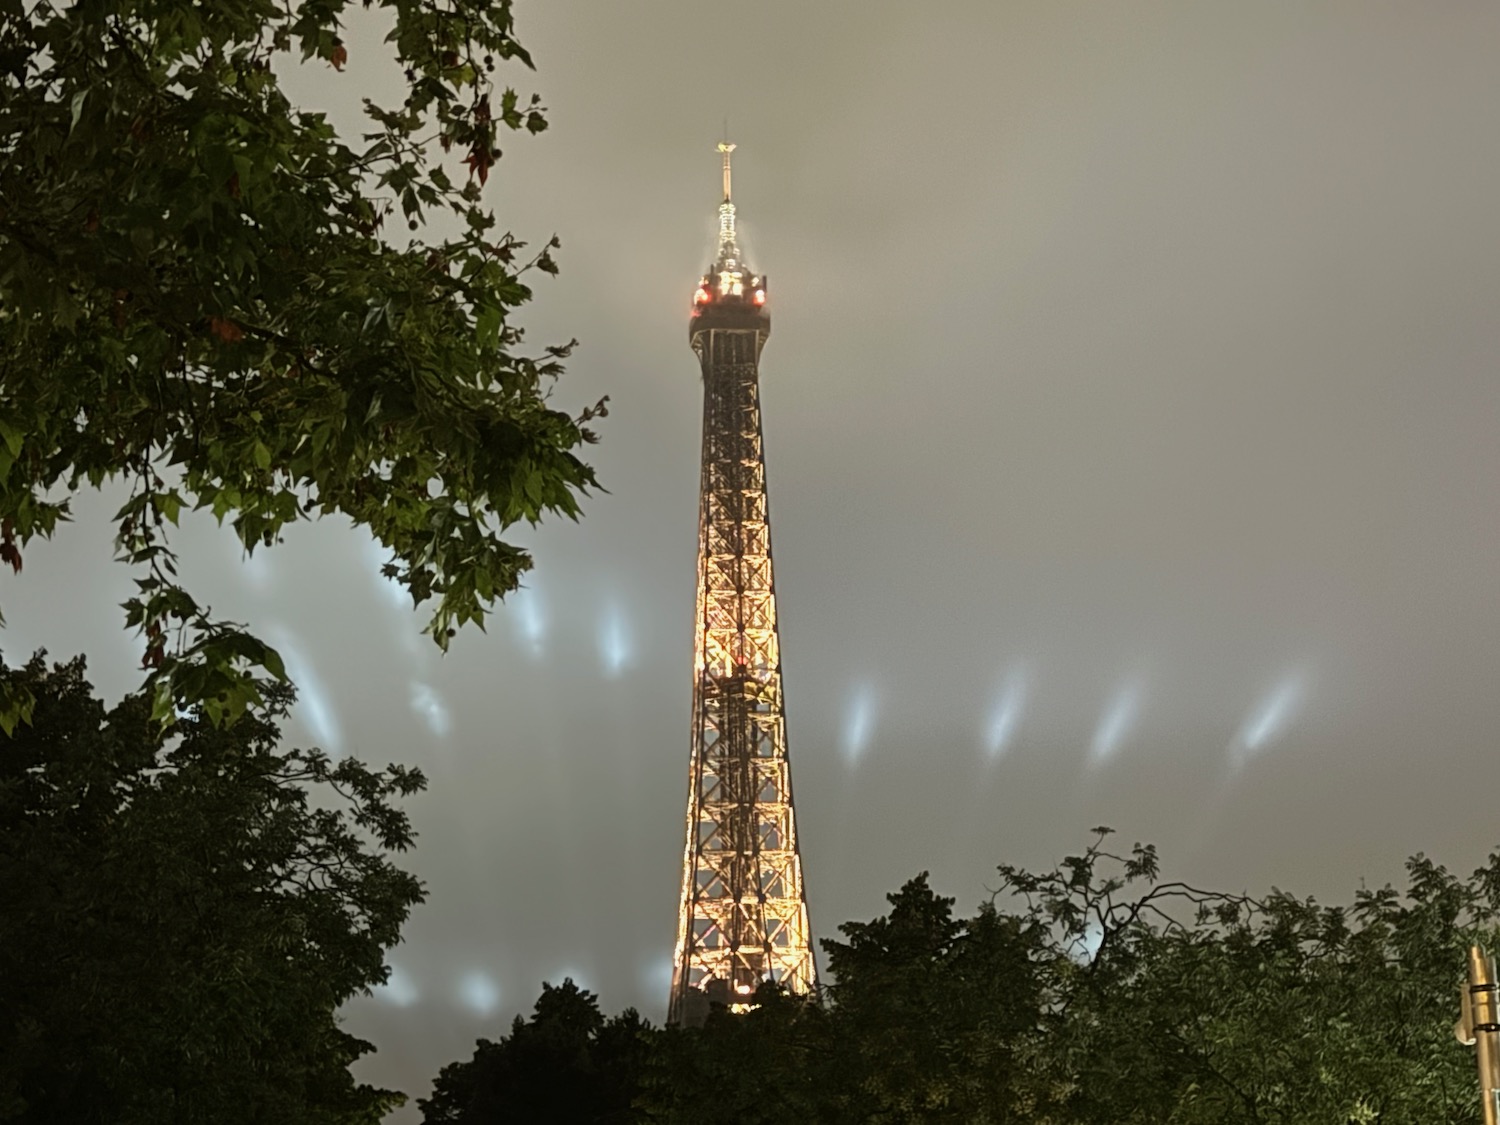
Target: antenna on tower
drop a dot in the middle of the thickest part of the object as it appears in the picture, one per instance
(727, 246)
(726, 148)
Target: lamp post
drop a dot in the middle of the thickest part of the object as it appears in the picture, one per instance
(1479, 1026)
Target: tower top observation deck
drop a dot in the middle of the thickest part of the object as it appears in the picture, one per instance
(730, 295)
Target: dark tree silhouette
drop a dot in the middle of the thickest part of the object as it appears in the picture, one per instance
(182, 917)
(567, 1064)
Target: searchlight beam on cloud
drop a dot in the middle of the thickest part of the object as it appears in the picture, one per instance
(479, 993)
(860, 725)
(400, 991)
(615, 649)
(530, 616)
(1268, 719)
(314, 707)
(1006, 716)
(427, 703)
(1115, 723)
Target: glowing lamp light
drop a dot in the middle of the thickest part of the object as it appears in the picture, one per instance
(760, 296)
(742, 989)
(702, 297)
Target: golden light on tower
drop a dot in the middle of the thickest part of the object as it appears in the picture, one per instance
(743, 913)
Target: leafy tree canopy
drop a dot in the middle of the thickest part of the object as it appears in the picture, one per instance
(1176, 1004)
(774, 1063)
(196, 298)
(183, 914)
(567, 1064)
(1098, 993)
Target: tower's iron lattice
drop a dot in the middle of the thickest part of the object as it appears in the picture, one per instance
(743, 918)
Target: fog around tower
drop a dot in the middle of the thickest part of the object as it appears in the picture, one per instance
(1130, 420)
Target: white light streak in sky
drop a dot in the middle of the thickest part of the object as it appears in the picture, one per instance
(615, 649)
(568, 974)
(656, 976)
(1087, 944)
(313, 707)
(400, 991)
(860, 724)
(479, 993)
(256, 569)
(1006, 716)
(1269, 719)
(427, 703)
(530, 616)
(1115, 723)
(392, 590)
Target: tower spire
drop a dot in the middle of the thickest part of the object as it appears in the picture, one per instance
(726, 148)
(729, 250)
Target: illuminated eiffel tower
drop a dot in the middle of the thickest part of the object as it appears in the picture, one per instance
(743, 918)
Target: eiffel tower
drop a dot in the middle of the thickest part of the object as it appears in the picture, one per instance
(743, 918)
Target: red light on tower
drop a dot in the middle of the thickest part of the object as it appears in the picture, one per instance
(760, 297)
(702, 296)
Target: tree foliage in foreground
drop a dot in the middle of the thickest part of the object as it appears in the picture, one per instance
(197, 297)
(1093, 994)
(567, 1063)
(182, 916)
(1174, 1004)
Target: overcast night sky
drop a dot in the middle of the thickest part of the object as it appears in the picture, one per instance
(1132, 421)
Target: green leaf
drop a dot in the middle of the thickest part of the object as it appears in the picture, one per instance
(17, 704)
(487, 323)
(169, 504)
(163, 703)
(274, 664)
